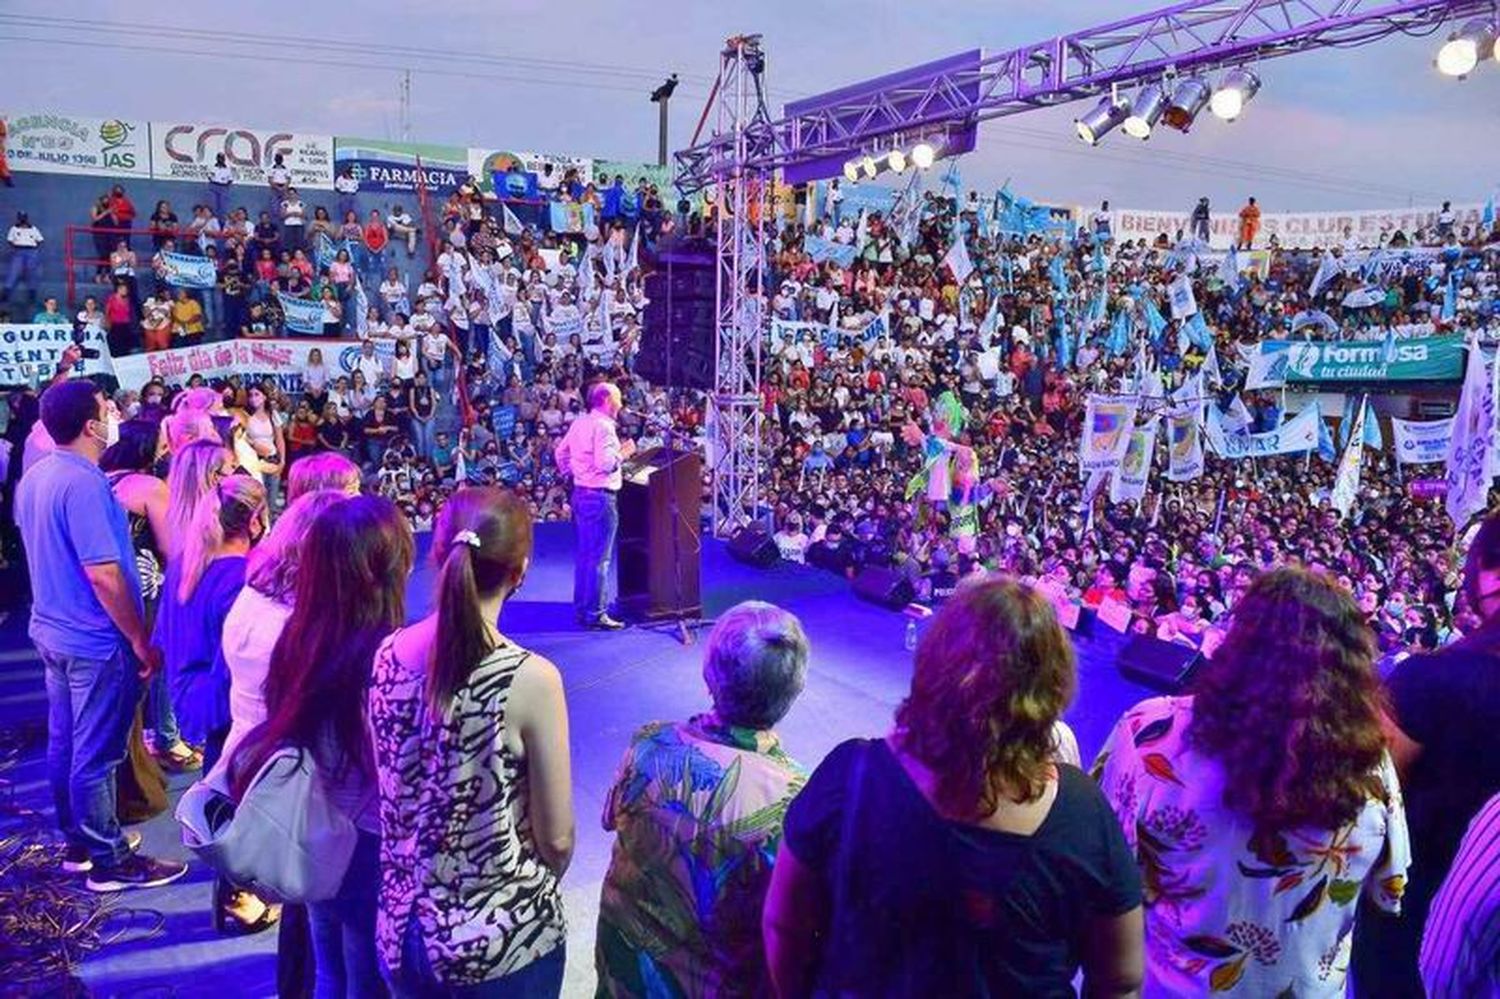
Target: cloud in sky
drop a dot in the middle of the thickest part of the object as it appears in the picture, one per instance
(1374, 126)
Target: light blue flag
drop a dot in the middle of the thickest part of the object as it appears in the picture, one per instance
(1100, 264)
(820, 250)
(1119, 335)
(1487, 219)
(1326, 449)
(361, 308)
(183, 270)
(1058, 275)
(1450, 298)
(1198, 332)
(1098, 309)
(1374, 436)
(953, 180)
(1064, 345)
(1347, 421)
(1155, 324)
(301, 315)
(965, 306)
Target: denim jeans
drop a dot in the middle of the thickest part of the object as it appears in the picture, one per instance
(213, 316)
(596, 519)
(343, 930)
(541, 979)
(25, 267)
(90, 708)
(421, 436)
(160, 718)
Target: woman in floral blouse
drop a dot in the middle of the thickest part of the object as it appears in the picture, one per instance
(680, 912)
(1262, 807)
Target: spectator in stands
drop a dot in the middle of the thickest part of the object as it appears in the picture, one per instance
(293, 220)
(946, 821)
(163, 224)
(658, 926)
(1200, 220)
(1249, 225)
(25, 241)
(403, 227)
(220, 179)
(187, 318)
(119, 321)
(472, 751)
(121, 212)
(1264, 806)
(347, 186)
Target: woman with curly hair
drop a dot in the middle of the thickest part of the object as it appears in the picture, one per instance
(957, 856)
(1264, 805)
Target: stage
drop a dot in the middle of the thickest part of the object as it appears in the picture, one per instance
(615, 682)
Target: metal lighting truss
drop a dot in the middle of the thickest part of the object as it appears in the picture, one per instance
(739, 192)
(746, 147)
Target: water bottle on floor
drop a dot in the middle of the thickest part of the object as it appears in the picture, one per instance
(911, 635)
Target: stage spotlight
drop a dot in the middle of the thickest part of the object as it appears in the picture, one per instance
(922, 155)
(1464, 48)
(1105, 116)
(1190, 97)
(869, 167)
(1145, 111)
(896, 161)
(851, 171)
(1235, 91)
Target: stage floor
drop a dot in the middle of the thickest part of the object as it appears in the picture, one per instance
(615, 683)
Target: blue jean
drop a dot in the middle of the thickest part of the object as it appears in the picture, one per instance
(343, 930)
(421, 436)
(541, 979)
(160, 718)
(25, 267)
(596, 519)
(90, 708)
(213, 316)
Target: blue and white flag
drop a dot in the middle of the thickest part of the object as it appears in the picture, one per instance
(361, 304)
(1211, 372)
(1468, 451)
(1155, 324)
(510, 221)
(1198, 332)
(1059, 275)
(1098, 310)
(1315, 317)
(570, 217)
(957, 260)
(822, 250)
(301, 315)
(1326, 449)
(1180, 293)
(1364, 298)
(1229, 269)
(1487, 217)
(1374, 436)
(182, 270)
(1328, 269)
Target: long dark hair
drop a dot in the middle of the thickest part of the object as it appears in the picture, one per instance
(1290, 704)
(135, 451)
(351, 594)
(1483, 556)
(482, 542)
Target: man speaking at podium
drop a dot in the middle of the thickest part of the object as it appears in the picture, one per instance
(592, 453)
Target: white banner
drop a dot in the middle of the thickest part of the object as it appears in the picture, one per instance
(1292, 229)
(1421, 443)
(1107, 423)
(60, 143)
(182, 270)
(1184, 302)
(282, 359)
(301, 315)
(1184, 444)
(29, 352)
(186, 152)
(1295, 436)
(1129, 480)
(484, 163)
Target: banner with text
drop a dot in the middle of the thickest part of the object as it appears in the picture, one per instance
(183, 270)
(301, 315)
(485, 163)
(1295, 436)
(380, 165)
(1107, 424)
(280, 359)
(1300, 230)
(29, 352)
(183, 151)
(1430, 358)
(61, 143)
(1421, 443)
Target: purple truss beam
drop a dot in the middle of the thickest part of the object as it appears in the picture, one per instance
(1193, 37)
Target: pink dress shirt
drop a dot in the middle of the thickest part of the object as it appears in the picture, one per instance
(590, 452)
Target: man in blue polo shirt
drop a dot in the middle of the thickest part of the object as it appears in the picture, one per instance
(87, 622)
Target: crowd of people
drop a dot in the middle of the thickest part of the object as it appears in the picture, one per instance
(1041, 322)
(1252, 837)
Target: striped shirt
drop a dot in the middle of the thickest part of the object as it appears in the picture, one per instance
(1461, 945)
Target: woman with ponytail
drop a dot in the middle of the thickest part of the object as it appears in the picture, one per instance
(203, 578)
(350, 594)
(471, 748)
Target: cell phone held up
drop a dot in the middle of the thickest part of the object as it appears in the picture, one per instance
(89, 353)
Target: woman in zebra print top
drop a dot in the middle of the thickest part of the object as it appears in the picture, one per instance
(471, 745)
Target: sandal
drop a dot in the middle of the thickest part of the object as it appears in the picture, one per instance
(181, 758)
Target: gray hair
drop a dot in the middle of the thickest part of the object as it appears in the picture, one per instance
(755, 664)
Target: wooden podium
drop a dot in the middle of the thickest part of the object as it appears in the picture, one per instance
(659, 553)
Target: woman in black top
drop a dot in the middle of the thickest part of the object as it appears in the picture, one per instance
(423, 403)
(378, 429)
(956, 857)
(333, 433)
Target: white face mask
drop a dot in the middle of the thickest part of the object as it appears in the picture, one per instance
(111, 431)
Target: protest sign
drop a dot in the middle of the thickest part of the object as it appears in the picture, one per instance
(1420, 443)
(29, 352)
